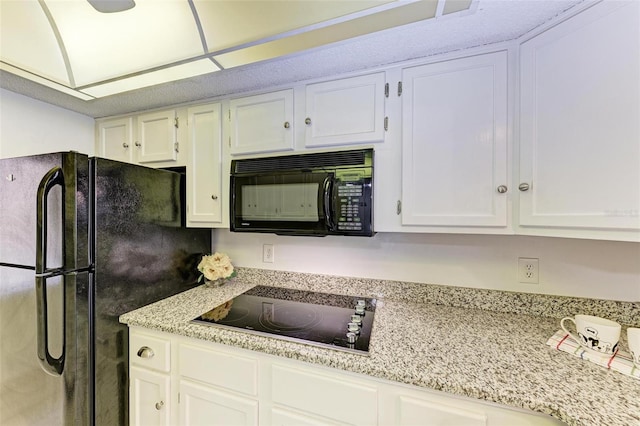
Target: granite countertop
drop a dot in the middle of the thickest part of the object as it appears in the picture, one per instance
(483, 344)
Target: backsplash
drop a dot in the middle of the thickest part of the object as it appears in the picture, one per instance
(627, 313)
(567, 267)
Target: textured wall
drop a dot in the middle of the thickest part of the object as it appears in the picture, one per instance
(31, 127)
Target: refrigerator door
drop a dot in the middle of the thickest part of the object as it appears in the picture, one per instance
(42, 322)
(141, 255)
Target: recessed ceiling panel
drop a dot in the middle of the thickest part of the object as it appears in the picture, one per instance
(228, 24)
(28, 42)
(103, 46)
(165, 75)
(453, 6)
(390, 18)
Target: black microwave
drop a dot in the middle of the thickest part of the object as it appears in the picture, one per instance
(318, 194)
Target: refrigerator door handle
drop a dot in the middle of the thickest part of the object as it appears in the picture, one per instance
(49, 181)
(50, 364)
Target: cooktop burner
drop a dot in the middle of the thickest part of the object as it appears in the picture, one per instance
(330, 320)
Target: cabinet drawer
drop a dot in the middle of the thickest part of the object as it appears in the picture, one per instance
(220, 369)
(324, 395)
(149, 352)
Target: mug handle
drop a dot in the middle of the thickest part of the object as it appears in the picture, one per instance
(573, 336)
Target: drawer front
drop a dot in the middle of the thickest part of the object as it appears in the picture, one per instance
(149, 352)
(233, 372)
(324, 395)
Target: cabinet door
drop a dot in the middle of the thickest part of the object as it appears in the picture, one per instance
(114, 139)
(454, 148)
(402, 406)
(579, 133)
(345, 111)
(326, 394)
(262, 123)
(283, 417)
(204, 171)
(157, 137)
(203, 405)
(149, 398)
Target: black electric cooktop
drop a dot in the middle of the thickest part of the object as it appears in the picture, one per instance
(322, 319)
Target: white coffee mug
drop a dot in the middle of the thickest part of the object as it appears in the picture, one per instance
(594, 333)
(633, 335)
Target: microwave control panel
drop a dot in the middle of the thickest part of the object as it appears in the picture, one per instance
(354, 206)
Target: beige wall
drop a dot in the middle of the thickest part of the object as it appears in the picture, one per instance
(28, 127)
(570, 267)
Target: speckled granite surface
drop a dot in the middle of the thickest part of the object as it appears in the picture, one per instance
(478, 343)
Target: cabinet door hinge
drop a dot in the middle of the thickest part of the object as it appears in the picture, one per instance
(399, 88)
(386, 90)
(386, 124)
(176, 122)
(229, 142)
(178, 397)
(176, 146)
(399, 207)
(229, 115)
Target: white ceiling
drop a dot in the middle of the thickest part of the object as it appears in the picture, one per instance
(265, 51)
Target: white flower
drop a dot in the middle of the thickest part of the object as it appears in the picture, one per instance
(216, 266)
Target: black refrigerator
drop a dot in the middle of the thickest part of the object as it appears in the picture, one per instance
(82, 241)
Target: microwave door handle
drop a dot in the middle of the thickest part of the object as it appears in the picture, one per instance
(51, 365)
(327, 189)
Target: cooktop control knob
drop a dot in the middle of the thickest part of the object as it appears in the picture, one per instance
(351, 337)
(353, 328)
(357, 319)
(360, 309)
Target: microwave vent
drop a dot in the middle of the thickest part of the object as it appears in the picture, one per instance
(357, 158)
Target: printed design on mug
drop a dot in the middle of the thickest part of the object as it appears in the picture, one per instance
(590, 339)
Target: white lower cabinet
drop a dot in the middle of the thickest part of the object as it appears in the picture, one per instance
(323, 394)
(203, 405)
(149, 394)
(149, 379)
(403, 405)
(214, 384)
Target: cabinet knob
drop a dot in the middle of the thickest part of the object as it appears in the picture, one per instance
(307, 121)
(214, 197)
(159, 405)
(145, 352)
(502, 189)
(138, 144)
(286, 125)
(523, 187)
(125, 145)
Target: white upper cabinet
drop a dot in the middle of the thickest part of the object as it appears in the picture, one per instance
(157, 141)
(262, 123)
(345, 111)
(579, 125)
(115, 139)
(204, 167)
(454, 143)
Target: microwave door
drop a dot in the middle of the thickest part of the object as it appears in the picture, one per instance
(292, 204)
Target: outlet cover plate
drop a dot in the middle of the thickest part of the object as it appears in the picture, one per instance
(267, 253)
(528, 270)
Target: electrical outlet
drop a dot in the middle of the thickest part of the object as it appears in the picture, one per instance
(267, 253)
(528, 270)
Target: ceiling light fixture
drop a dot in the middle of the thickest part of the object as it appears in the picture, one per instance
(111, 6)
